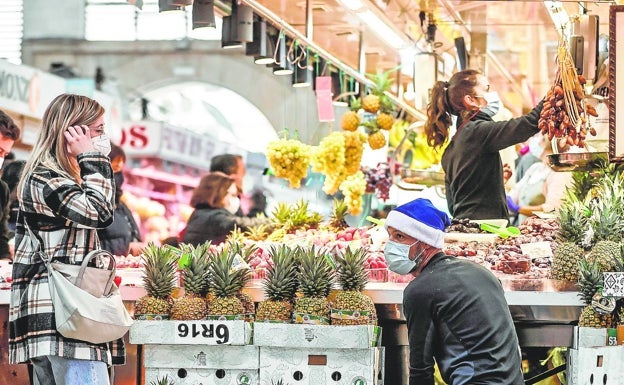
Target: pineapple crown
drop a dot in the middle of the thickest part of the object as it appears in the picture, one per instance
(573, 218)
(350, 268)
(162, 381)
(196, 272)
(590, 280)
(281, 279)
(226, 276)
(316, 275)
(159, 266)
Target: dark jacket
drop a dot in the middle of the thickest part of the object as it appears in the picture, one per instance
(4, 220)
(474, 171)
(457, 314)
(215, 224)
(116, 238)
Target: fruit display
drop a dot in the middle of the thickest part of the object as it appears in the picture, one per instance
(411, 147)
(289, 159)
(280, 286)
(378, 180)
(192, 305)
(316, 279)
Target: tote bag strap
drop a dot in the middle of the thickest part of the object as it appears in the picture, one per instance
(98, 254)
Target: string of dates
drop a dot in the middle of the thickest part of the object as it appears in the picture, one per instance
(565, 113)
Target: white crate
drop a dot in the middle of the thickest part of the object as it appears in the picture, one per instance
(585, 337)
(203, 376)
(321, 366)
(303, 336)
(603, 365)
(191, 332)
(201, 356)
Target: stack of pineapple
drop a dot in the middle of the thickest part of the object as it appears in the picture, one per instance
(591, 221)
(159, 273)
(375, 102)
(280, 286)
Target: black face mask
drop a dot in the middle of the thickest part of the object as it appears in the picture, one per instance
(119, 180)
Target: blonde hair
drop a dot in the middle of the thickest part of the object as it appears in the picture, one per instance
(50, 151)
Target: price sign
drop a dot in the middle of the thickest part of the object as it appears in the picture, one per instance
(202, 332)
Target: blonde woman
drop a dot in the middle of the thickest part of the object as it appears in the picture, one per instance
(66, 194)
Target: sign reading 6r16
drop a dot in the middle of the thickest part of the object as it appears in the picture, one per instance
(203, 332)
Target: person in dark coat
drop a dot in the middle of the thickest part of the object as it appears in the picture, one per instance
(9, 133)
(124, 231)
(471, 162)
(11, 174)
(67, 193)
(456, 311)
(216, 203)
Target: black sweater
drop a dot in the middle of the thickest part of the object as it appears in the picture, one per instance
(473, 167)
(457, 313)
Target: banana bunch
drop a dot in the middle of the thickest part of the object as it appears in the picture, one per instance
(415, 150)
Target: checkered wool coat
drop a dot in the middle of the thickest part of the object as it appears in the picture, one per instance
(63, 216)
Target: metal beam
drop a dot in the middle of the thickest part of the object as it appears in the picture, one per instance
(294, 33)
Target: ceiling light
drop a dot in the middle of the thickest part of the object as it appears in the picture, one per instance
(282, 65)
(237, 28)
(203, 14)
(382, 29)
(261, 48)
(168, 6)
(302, 76)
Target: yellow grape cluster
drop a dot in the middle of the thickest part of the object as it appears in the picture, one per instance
(289, 159)
(354, 148)
(329, 159)
(353, 188)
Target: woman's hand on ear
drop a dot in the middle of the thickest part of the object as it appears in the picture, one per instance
(78, 140)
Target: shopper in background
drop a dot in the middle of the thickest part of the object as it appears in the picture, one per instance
(258, 204)
(471, 161)
(525, 159)
(216, 203)
(123, 235)
(541, 189)
(67, 193)
(9, 133)
(456, 311)
(11, 175)
(232, 165)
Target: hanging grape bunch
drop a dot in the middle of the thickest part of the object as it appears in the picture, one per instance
(564, 114)
(378, 180)
(289, 159)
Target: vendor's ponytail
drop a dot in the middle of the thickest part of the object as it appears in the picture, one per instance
(438, 116)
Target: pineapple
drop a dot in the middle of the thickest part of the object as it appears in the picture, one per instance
(159, 265)
(246, 253)
(568, 252)
(257, 233)
(371, 103)
(590, 283)
(385, 121)
(163, 381)
(376, 140)
(337, 220)
(280, 286)
(316, 278)
(350, 121)
(607, 225)
(225, 279)
(192, 305)
(352, 278)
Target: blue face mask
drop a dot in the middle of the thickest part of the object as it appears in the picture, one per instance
(535, 147)
(493, 103)
(397, 257)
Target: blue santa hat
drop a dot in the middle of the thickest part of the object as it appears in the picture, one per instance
(421, 220)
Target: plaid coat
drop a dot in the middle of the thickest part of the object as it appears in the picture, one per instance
(63, 216)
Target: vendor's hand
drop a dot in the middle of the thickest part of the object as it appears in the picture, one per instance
(526, 211)
(507, 173)
(78, 140)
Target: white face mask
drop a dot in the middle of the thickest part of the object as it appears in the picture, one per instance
(233, 205)
(493, 103)
(102, 144)
(1, 162)
(535, 147)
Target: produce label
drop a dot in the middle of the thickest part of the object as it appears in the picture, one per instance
(301, 318)
(349, 314)
(209, 333)
(613, 284)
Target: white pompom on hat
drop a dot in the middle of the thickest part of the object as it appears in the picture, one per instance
(421, 220)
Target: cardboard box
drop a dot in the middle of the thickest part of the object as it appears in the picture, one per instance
(191, 332)
(321, 366)
(602, 366)
(589, 337)
(303, 336)
(203, 376)
(201, 357)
